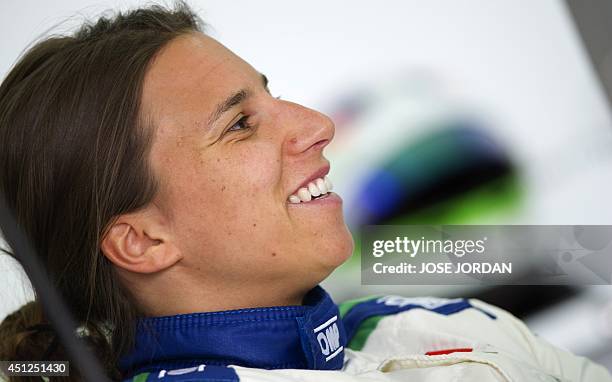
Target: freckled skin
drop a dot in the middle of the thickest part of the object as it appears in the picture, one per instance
(224, 260)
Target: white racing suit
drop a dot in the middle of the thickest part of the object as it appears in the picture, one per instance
(378, 339)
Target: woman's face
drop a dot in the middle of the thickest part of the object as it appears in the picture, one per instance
(228, 156)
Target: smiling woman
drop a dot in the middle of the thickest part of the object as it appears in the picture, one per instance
(187, 217)
(220, 182)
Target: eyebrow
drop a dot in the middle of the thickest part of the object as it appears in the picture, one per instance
(234, 100)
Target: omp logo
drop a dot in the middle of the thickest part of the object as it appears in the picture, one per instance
(328, 338)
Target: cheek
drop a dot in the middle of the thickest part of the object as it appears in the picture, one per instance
(241, 175)
(230, 189)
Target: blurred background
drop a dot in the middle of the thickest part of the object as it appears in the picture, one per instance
(471, 112)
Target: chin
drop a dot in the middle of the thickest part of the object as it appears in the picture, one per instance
(327, 256)
(336, 249)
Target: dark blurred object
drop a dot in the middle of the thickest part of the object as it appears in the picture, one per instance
(524, 300)
(438, 167)
(593, 20)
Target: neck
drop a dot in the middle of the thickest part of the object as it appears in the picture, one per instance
(181, 297)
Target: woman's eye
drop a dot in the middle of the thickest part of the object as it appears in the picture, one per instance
(241, 124)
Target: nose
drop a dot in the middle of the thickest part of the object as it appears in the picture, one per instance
(308, 130)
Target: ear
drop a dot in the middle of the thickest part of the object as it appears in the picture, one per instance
(141, 242)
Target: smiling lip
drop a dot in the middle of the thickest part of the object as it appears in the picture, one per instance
(320, 173)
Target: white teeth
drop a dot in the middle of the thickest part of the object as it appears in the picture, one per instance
(328, 183)
(304, 195)
(317, 187)
(314, 190)
(321, 185)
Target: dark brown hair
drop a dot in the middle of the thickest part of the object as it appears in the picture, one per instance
(74, 156)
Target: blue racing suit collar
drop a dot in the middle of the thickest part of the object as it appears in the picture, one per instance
(310, 336)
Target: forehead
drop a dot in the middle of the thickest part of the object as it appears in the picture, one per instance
(190, 75)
